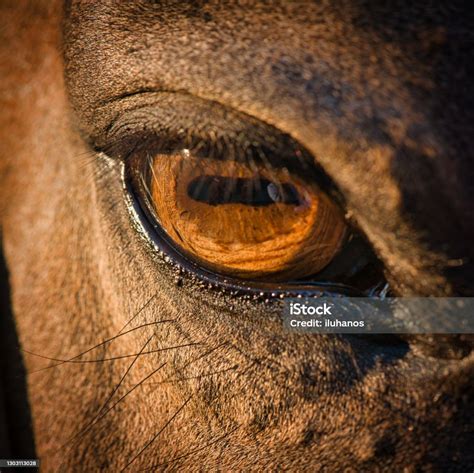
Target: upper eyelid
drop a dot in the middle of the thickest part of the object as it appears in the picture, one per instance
(165, 111)
(151, 123)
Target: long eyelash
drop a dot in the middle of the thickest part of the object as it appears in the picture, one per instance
(279, 153)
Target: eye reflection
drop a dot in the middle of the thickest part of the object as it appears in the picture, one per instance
(215, 190)
(245, 220)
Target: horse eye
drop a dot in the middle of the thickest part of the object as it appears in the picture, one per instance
(245, 220)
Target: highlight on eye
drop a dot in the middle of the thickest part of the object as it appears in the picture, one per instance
(248, 220)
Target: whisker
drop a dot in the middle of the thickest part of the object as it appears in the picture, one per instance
(69, 441)
(114, 358)
(101, 416)
(61, 362)
(142, 308)
(185, 365)
(205, 354)
(204, 375)
(168, 422)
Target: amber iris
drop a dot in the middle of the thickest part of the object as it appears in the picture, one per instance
(245, 220)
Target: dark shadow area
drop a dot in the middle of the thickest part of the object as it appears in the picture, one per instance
(373, 349)
(16, 432)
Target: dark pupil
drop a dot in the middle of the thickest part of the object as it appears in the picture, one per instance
(216, 190)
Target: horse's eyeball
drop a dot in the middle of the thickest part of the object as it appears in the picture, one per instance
(242, 219)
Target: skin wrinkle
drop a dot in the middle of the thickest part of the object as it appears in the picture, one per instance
(79, 271)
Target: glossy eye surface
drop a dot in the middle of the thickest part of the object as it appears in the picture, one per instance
(247, 220)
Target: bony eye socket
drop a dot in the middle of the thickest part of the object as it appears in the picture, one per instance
(250, 221)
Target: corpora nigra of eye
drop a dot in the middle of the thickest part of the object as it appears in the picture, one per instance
(251, 220)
